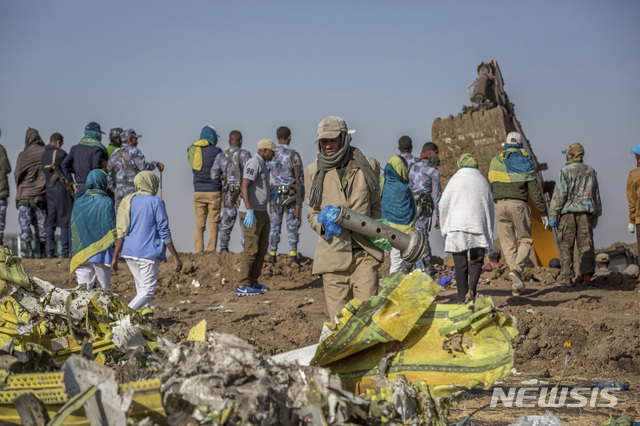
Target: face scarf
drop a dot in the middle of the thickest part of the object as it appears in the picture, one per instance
(432, 158)
(145, 182)
(344, 154)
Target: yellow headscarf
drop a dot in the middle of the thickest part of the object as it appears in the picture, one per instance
(145, 182)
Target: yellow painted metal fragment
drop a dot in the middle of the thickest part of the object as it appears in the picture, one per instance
(198, 332)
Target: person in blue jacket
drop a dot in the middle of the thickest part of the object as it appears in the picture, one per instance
(89, 154)
(143, 235)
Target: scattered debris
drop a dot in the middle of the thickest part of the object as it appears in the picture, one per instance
(547, 420)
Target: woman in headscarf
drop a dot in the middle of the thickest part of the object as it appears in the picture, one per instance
(466, 223)
(398, 204)
(93, 232)
(143, 237)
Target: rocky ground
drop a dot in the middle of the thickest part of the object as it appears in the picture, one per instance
(594, 332)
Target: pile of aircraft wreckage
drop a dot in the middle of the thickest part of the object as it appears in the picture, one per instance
(395, 358)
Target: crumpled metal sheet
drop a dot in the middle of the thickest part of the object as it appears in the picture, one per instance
(227, 380)
(400, 333)
(44, 318)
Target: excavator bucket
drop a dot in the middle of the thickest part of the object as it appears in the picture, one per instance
(481, 129)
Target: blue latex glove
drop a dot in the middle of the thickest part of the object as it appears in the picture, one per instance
(553, 223)
(593, 225)
(327, 217)
(274, 195)
(250, 219)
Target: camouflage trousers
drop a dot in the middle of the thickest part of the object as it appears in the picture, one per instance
(227, 220)
(422, 225)
(576, 228)
(276, 214)
(121, 192)
(28, 216)
(3, 217)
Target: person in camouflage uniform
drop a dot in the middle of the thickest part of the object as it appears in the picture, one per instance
(286, 181)
(405, 146)
(229, 168)
(31, 198)
(574, 210)
(5, 169)
(424, 181)
(124, 164)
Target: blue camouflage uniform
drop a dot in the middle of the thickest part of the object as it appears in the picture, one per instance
(409, 158)
(228, 168)
(424, 181)
(123, 166)
(283, 182)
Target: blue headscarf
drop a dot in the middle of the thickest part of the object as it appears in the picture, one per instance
(209, 133)
(398, 205)
(93, 220)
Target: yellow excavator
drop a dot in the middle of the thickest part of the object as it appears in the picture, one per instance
(482, 129)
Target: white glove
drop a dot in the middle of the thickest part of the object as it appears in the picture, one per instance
(545, 221)
(632, 227)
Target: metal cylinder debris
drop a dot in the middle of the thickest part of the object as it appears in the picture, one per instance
(411, 245)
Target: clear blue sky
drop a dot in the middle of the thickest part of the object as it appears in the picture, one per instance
(388, 68)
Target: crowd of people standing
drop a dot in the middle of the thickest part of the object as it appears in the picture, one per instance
(104, 201)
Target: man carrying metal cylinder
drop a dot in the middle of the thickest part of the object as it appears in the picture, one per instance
(343, 176)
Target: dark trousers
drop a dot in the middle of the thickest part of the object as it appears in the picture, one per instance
(256, 246)
(65, 238)
(467, 278)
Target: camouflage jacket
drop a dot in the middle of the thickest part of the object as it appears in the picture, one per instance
(224, 167)
(124, 164)
(576, 191)
(411, 160)
(281, 166)
(426, 179)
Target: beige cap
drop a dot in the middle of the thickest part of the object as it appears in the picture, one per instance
(267, 144)
(331, 127)
(514, 137)
(602, 257)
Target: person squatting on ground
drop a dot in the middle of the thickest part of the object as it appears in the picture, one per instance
(31, 197)
(467, 215)
(285, 173)
(89, 154)
(575, 208)
(59, 198)
(228, 169)
(5, 169)
(397, 203)
(343, 176)
(206, 189)
(424, 181)
(633, 196)
(124, 164)
(143, 232)
(512, 180)
(602, 265)
(93, 232)
(114, 140)
(255, 190)
(405, 146)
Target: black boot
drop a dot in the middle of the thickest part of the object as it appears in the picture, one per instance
(43, 249)
(28, 251)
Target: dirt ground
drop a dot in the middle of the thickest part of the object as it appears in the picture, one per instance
(600, 327)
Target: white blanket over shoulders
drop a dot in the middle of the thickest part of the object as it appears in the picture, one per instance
(467, 212)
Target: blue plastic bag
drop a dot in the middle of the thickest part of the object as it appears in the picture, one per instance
(327, 217)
